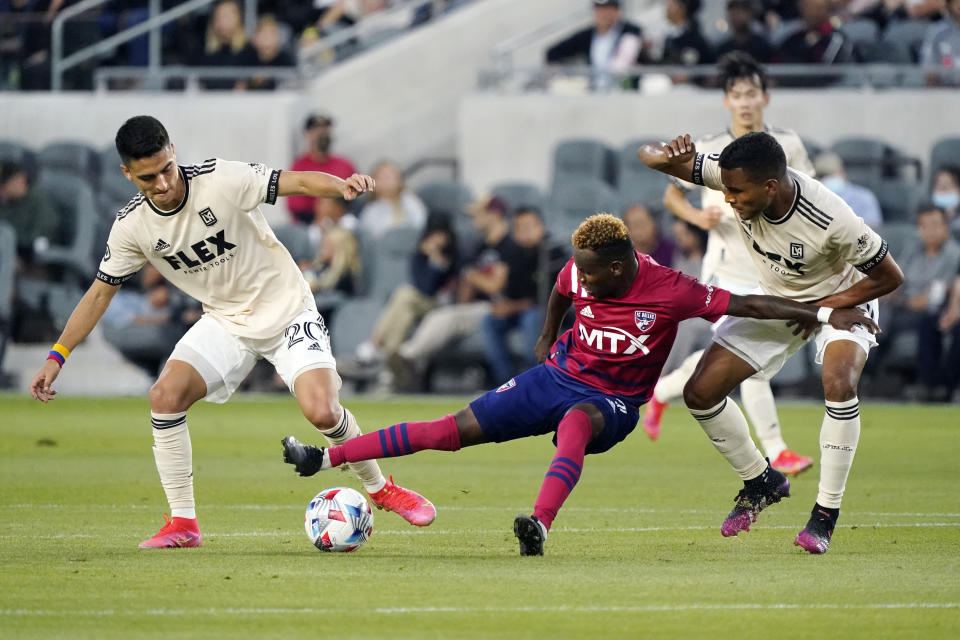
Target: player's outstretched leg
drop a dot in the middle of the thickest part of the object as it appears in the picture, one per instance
(815, 537)
(531, 533)
(757, 494)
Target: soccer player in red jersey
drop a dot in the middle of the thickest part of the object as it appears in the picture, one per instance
(592, 379)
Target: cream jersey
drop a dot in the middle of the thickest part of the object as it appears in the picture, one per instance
(216, 247)
(820, 247)
(726, 260)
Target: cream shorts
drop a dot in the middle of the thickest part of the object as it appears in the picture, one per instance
(766, 345)
(224, 360)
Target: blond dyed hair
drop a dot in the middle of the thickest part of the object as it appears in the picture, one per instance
(600, 231)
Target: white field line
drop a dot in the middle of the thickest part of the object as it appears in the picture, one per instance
(627, 510)
(677, 608)
(457, 532)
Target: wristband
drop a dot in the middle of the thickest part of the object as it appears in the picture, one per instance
(823, 314)
(59, 353)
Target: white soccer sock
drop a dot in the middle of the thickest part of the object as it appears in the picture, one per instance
(174, 457)
(727, 429)
(670, 386)
(758, 402)
(368, 471)
(838, 444)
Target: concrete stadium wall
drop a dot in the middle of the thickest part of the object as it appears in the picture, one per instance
(508, 138)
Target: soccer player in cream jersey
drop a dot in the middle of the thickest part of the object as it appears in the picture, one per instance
(809, 246)
(201, 226)
(726, 262)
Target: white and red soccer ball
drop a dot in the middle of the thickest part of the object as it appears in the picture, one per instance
(338, 519)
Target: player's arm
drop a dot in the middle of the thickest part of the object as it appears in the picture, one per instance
(675, 200)
(675, 158)
(82, 321)
(808, 316)
(557, 307)
(882, 279)
(490, 281)
(317, 184)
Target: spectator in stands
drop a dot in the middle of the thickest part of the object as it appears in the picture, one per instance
(481, 279)
(691, 244)
(317, 133)
(940, 52)
(145, 322)
(518, 304)
(226, 45)
(949, 324)
(885, 11)
(946, 194)
(929, 266)
(646, 236)
(815, 41)
(270, 53)
(779, 12)
(610, 46)
(830, 172)
(433, 270)
(392, 204)
(336, 267)
(27, 209)
(684, 44)
(744, 34)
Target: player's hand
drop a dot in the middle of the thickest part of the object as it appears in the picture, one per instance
(680, 150)
(709, 217)
(356, 184)
(846, 319)
(40, 386)
(806, 328)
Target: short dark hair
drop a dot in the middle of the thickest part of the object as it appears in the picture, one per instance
(953, 170)
(759, 155)
(739, 64)
(141, 137)
(929, 207)
(692, 7)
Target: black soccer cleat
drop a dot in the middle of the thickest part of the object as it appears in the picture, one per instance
(816, 536)
(306, 458)
(757, 494)
(530, 533)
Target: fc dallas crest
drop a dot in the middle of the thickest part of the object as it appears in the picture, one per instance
(644, 319)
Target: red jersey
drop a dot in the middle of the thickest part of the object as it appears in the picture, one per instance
(334, 165)
(619, 345)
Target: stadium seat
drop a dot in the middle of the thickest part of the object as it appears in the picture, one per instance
(898, 200)
(812, 148)
(353, 323)
(76, 248)
(446, 196)
(575, 199)
(863, 159)
(636, 182)
(75, 157)
(297, 242)
(946, 151)
(908, 33)
(8, 262)
(861, 30)
(389, 262)
(520, 194)
(583, 158)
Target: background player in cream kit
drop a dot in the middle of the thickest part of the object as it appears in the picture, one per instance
(727, 262)
(201, 227)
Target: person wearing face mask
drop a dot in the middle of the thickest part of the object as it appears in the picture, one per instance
(317, 157)
(946, 194)
(864, 203)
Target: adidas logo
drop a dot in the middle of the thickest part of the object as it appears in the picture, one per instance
(162, 245)
(586, 312)
(315, 347)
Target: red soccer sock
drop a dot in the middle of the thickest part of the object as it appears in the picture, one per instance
(573, 435)
(399, 440)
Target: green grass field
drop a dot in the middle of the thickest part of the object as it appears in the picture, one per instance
(635, 552)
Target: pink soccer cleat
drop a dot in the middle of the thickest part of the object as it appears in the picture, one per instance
(409, 505)
(179, 532)
(651, 417)
(791, 463)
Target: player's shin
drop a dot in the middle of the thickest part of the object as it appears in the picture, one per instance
(573, 435)
(727, 429)
(838, 444)
(367, 471)
(174, 457)
(760, 407)
(399, 440)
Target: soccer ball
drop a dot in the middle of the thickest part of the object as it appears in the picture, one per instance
(338, 519)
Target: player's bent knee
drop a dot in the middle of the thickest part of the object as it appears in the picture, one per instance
(695, 395)
(839, 386)
(169, 398)
(324, 415)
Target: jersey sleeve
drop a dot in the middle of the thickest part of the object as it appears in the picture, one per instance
(567, 283)
(693, 299)
(248, 185)
(706, 171)
(122, 258)
(859, 245)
